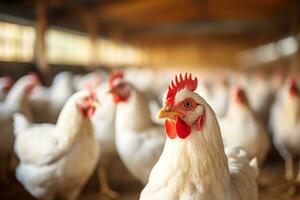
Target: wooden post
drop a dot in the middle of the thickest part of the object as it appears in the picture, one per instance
(295, 29)
(94, 52)
(40, 46)
(90, 24)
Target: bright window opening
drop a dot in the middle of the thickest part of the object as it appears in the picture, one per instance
(17, 45)
(68, 48)
(16, 42)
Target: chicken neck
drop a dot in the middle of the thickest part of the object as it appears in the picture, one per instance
(16, 98)
(134, 115)
(71, 125)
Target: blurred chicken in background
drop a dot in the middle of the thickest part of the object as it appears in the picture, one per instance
(47, 102)
(139, 141)
(285, 124)
(17, 100)
(57, 160)
(216, 94)
(259, 92)
(241, 127)
(104, 127)
(91, 79)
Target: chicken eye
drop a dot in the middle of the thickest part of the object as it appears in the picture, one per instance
(86, 99)
(187, 104)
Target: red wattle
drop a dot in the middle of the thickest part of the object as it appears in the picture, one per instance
(91, 112)
(183, 130)
(201, 120)
(117, 98)
(170, 129)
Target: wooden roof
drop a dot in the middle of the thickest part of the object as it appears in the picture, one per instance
(211, 24)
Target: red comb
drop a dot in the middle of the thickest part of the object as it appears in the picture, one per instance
(93, 95)
(34, 76)
(240, 95)
(8, 80)
(114, 76)
(8, 83)
(180, 83)
(294, 90)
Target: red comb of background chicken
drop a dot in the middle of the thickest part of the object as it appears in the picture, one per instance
(115, 76)
(93, 95)
(294, 90)
(240, 95)
(34, 76)
(181, 83)
(8, 83)
(8, 79)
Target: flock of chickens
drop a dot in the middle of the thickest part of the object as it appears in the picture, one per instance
(217, 132)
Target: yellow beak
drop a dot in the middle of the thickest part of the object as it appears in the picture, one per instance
(111, 90)
(96, 104)
(163, 113)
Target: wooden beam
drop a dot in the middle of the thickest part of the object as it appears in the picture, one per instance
(40, 45)
(246, 40)
(91, 26)
(125, 8)
(140, 10)
(178, 13)
(147, 18)
(205, 28)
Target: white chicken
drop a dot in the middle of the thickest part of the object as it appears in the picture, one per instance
(148, 82)
(88, 80)
(285, 122)
(277, 80)
(194, 164)
(240, 127)
(47, 102)
(104, 127)
(57, 160)
(139, 141)
(260, 94)
(6, 83)
(216, 94)
(15, 101)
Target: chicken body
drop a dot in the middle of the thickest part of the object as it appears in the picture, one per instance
(15, 101)
(197, 167)
(216, 95)
(47, 102)
(240, 127)
(104, 127)
(285, 122)
(139, 141)
(260, 93)
(104, 123)
(56, 160)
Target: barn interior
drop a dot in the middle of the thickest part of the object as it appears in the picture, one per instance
(249, 46)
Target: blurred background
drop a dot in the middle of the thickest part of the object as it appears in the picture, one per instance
(252, 43)
(86, 34)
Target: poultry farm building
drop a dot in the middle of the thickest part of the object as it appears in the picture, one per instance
(150, 99)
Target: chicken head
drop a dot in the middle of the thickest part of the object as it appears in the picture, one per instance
(118, 87)
(87, 105)
(183, 109)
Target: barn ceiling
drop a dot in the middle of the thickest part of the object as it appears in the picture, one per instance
(150, 22)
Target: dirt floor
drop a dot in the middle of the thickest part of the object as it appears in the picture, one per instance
(271, 181)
